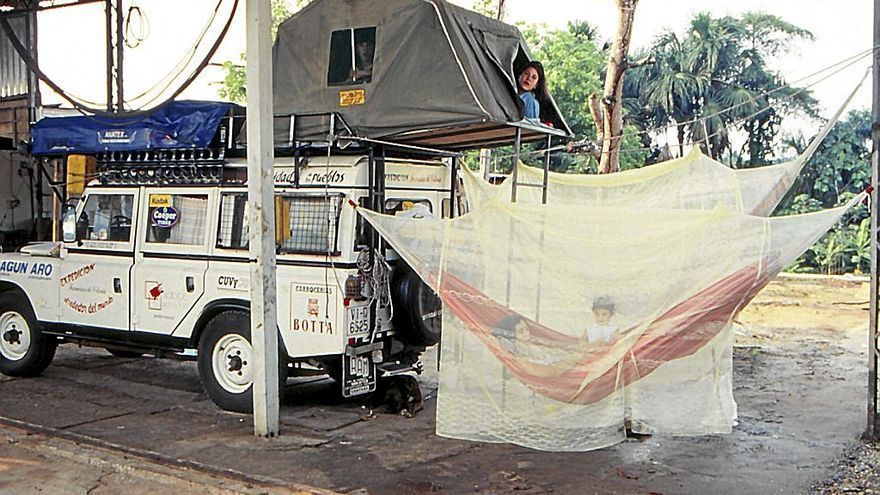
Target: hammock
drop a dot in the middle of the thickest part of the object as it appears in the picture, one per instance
(678, 333)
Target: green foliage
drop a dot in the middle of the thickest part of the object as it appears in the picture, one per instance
(719, 63)
(234, 85)
(488, 8)
(234, 82)
(573, 65)
(840, 169)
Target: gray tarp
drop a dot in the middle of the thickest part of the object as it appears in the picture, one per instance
(436, 66)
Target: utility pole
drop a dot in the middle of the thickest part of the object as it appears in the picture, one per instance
(873, 429)
(261, 205)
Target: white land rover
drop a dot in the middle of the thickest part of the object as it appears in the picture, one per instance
(147, 268)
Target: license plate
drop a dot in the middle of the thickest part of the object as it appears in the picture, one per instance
(358, 321)
(358, 375)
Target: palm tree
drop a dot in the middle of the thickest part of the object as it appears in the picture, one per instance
(714, 79)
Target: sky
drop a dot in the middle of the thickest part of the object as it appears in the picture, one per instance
(841, 27)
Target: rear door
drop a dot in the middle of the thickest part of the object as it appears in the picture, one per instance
(169, 272)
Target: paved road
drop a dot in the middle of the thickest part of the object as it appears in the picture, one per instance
(153, 406)
(46, 463)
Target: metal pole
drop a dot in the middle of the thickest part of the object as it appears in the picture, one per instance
(546, 174)
(873, 428)
(120, 46)
(108, 18)
(517, 144)
(261, 203)
(452, 187)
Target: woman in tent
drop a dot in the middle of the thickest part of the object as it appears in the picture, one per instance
(532, 89)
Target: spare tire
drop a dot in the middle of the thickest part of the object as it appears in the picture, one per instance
(417, 309)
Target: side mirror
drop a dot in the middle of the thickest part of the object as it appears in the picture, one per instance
(68, 223)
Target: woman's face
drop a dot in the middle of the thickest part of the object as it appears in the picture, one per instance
(528, 79)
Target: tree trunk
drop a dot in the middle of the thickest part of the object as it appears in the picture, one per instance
(611, 127)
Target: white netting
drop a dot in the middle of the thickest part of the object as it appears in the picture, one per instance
(610, 306)
(521, 283)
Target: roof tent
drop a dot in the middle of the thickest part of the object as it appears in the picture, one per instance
(418, 72)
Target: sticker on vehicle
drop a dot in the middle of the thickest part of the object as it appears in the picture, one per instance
(164, 217)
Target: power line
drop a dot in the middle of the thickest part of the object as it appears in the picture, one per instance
(94, 112)
(848, 61)
(181, 64)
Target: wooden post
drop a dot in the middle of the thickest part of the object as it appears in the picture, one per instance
(873, 429)
(261, 205)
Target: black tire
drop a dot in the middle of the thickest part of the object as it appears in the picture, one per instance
(24, 350)
(226, 378)
(125, 354)
(417, 309)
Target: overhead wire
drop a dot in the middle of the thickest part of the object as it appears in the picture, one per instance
(95, 112)
(846, 62)
(181, 64)
(143, 24)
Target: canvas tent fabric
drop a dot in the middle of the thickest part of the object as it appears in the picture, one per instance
(518, 282)
(436, 65)
(179, 124)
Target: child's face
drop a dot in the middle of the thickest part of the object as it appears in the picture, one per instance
(602, 316)
(522, 331)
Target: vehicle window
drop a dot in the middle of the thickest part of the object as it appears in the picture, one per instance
(351, 56)
(392, 206)
(106, 217)
(233, 231)
(177, 219)
(304, 224)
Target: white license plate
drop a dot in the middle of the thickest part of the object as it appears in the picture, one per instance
(358, 321)
(358, 375)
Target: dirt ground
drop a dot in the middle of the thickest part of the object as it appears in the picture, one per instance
(800, 383)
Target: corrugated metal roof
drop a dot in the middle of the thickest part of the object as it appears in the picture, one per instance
(13, 71)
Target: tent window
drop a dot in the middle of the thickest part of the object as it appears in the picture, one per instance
(351, 56)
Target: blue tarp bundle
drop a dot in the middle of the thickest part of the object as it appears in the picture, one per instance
(179, 124)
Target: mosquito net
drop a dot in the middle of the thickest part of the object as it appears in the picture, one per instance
(607, 308)
(562, 322)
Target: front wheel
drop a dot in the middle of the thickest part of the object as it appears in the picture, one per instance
(226, 362)
(24, 350)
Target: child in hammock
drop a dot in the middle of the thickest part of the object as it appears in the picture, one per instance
(602, 329)
(517, 338)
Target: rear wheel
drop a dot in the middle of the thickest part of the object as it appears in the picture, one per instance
(417, 309)
(24, 350)
(226, 362)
